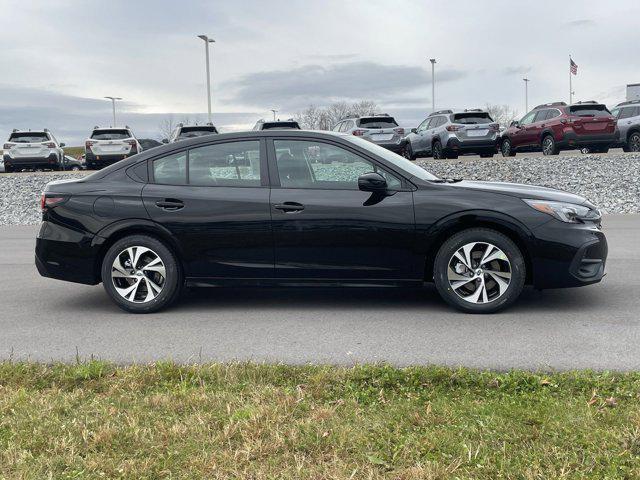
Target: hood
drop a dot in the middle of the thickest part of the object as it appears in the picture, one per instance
(524, 191)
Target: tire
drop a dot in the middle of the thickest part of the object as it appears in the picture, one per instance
(634, 142)
(585, 150)
(500, 290)
(75, 168)
(407, 152)
(549, 146)
(436, 150)
(134, 292)
(506, 148)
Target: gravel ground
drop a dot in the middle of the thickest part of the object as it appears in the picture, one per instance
(610, 181)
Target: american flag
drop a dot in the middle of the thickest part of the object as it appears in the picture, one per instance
(573, 67)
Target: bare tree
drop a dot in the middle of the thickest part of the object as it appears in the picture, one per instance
(166, 127)
(324, 118)
(502, 114)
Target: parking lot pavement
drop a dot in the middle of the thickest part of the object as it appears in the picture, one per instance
(568, 153)
(592, 327)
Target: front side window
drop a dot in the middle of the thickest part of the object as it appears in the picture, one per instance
(308, 164)
(233, 164)
(171, 170)
(423, 125)
(528, 118)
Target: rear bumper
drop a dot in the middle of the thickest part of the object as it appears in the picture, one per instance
(568, 255)
(396, 147)
(571, 140)
(471, 146)
(99, 161)
(50, 161)
(66, 254)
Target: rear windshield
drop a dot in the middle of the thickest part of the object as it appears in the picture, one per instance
(192, 132)
(377, 122)
(472, 118)
(110, 134)
(589, 110)
(281, 125)
(29, 137)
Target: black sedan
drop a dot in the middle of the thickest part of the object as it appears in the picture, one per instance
(296, 208)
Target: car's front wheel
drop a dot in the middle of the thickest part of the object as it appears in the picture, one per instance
(408, 152)
(479, 271)
(507, 149)
(140, 274)
(634, 142)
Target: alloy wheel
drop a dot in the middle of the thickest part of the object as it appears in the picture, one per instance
(479, 272)
(634, 142)
(547, 146)
(138, 274)
(506, 148)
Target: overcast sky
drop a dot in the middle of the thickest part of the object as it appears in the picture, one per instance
(58, 61)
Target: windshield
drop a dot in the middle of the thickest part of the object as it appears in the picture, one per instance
(192, 132)
(377, 122)
(28, 137)
(110, 134)
(589, 110)
(472, 118)
(402, 163)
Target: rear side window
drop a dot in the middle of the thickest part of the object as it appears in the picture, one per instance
(171, 170)
(589, 110)
(377, 122)
(110, 134)
(28, 137)
(234, 164)
(472, 118)
(628, 112)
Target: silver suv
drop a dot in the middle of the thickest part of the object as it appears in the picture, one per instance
(628, 116)
(183, 132)
(32, 150)
(380, 129)
(449, 133)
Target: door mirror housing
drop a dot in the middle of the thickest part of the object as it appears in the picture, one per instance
(63, 145)
(372, 182)
(515, 123)
(414, 130)
(164, 140)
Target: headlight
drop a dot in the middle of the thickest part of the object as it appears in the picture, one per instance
(566, 212)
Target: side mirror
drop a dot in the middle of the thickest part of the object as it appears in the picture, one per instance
(164, 140)
(372, 182)
(515, 123)
(414, 130)
(63, 144)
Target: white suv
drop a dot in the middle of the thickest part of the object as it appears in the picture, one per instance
(109, 145)
(32, 150)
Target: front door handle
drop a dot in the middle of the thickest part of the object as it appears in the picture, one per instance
(170, 204)
(289, 207)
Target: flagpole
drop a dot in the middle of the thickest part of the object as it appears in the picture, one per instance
(570, 86)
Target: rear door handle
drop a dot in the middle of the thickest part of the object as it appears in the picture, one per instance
(289, 207)
(170, 204)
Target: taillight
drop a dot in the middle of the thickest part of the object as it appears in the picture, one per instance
(454, 128)
(88, 144)
(134, 145)
(568, 120)
(7, 146)
(50, 202)
(359, 133)
(399, 131)
(49, 144)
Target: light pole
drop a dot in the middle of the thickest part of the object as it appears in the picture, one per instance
(207, 41)
(274, 114)
(526, 94)
(433, 84)
(113, 106)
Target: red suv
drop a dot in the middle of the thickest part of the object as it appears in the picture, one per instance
(553, 127)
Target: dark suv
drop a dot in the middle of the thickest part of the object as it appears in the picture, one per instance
(290, 124)
(553, 127)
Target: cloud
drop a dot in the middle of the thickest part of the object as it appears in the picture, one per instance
(317, 84)
(580, 23)
(516, 70)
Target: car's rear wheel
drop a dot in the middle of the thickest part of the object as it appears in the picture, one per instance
(634, 142)
(507, 149)
(549, 146)
(140, 274)
(479, 271)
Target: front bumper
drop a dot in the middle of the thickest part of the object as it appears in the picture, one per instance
(67, 254)
(571, 140)
(568, 255)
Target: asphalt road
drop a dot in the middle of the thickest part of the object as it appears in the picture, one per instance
(594, 327)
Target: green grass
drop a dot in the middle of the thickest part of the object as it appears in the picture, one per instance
(96, 420)
(74, 152)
